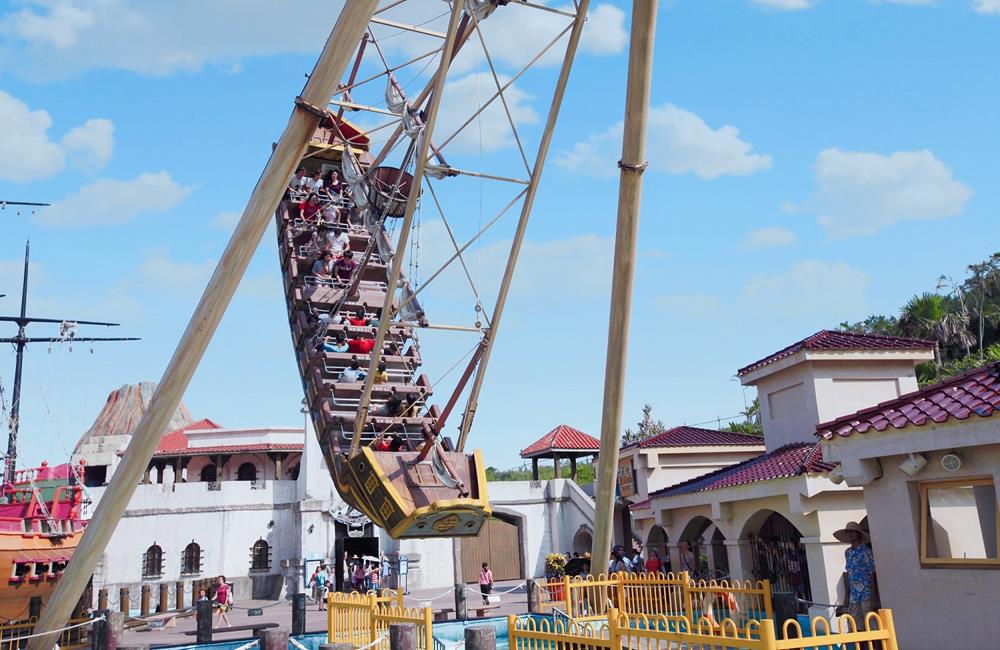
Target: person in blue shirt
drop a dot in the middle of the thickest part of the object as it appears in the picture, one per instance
(353, 374)
(860, 568)
(336, 344)
(321, 581)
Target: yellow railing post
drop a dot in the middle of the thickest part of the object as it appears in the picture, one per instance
(621, 591)
(330, 620)
(371, 618)
(767, 637)
(399, 598)
(568, 597)
(511, 634)
(768, 604)
(886, 616)
(687, 597)
(614, 631)
(428, 628)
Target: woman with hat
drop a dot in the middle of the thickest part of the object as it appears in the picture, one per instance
(860, 571)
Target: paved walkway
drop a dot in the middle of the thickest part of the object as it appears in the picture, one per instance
(280, 612)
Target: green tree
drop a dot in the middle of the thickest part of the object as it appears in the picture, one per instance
(981, 288)
(751, 420)
(934, 317)
(646, 428)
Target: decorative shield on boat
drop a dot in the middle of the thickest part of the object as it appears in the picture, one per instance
(388, 189)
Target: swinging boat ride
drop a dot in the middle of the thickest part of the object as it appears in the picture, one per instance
(382, 439)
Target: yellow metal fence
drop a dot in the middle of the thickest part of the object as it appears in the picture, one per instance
(362, 619)
(14, 636)
(641, 632)
(670, 594)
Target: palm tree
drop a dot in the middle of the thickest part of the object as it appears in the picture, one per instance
(929, 316)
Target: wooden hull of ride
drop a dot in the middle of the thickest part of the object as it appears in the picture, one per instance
(369, 480)
(18, 548)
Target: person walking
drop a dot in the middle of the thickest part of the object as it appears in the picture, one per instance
(223, 599)
(688, 561)
(485, 583)
(321, 585)
(860, 571)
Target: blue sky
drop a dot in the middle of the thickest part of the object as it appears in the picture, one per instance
(810, 162)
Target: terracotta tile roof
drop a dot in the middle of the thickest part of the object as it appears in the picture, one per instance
(976, 392)
(838, 340)
(695, 437)
(791, 460)
(175, 443)
(562, 438)
(641, 505)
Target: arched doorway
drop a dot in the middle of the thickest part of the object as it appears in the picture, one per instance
(583, 541)
(208, 473)
(777, 553)
(694, 534)
(657, 541)
(718, 555)
(499, 544)
(246, 472)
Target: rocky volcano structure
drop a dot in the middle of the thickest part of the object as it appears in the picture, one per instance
(104, 442)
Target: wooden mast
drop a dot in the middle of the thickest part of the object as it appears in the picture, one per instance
(632, 164)
(423, 145)
(522, 224)
(263, 202)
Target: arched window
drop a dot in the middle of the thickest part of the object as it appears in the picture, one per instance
(191, 559)
(293, 474)
(152, 562)
(208, 473)
(246, 472)
(260, 556)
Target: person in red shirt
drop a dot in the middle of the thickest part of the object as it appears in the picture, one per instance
(653, 564)
(360, 318)
(310, 208)
(360, 346)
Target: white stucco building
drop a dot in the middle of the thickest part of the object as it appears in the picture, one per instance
(929, 463)
(774, 516)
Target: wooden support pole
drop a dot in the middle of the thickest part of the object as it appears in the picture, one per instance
(534, 469)
(102, 598)
(232, 265)
(480, 637)
(402, 636)
(179, 596)
(144, 597)
(273, 639)
(522, 224)
(557, 466)
(161, 604)
(572, 468)
(123, 602)
(632, 164)
(203, 621)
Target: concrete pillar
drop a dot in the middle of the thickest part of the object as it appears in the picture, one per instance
(461, 602)
(480, 637)
(826, 566)
(106, 634)
(402, 636)
(572, 468)
(273, 639)
(534, 598)
(534, 469)
(555, 461)
(740, 559)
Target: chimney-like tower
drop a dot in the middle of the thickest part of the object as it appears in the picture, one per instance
(830, 374)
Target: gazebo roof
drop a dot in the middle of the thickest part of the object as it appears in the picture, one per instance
(563, 440)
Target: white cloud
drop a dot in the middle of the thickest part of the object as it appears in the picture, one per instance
(810, 290)
(860, 193)
(679, 142)
(690, 306)
(27, 152)
(58, 27)
(108, 201)
(57, 38)
(187, 279)
(986, 6)
(92, 143)
(769, 238)
(490, 130)
(226, 220)
(784, 5)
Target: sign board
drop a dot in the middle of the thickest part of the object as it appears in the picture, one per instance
(626, 477)
(156, 625)
(355, 532)
(403, 565)
(255, 611)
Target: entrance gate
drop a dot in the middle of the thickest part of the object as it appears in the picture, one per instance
(498, 544)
